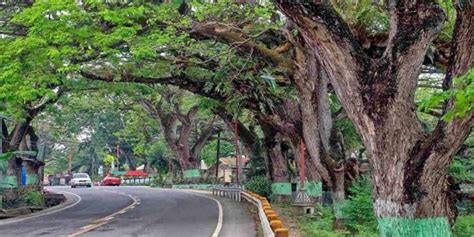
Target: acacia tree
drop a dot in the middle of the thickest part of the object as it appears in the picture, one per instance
(178, 126)
(412, 192)
(139, 48)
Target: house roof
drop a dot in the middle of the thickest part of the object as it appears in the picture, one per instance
(231, 161)
(136, 173)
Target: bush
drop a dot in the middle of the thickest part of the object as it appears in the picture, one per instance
(33, 198)
(96, 178)
(464, 226)
(319, 225)
(358, 210)
(259, 184)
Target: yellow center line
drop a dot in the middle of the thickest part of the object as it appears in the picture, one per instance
(104, 220)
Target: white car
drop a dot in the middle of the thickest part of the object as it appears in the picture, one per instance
(81, 179)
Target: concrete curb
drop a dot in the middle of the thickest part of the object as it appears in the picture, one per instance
(71, 200)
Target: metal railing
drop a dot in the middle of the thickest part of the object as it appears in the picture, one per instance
(230, 193)
(271, 225)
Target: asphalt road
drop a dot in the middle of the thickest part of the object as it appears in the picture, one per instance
(134, 211)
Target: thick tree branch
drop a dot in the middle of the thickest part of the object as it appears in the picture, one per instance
(203, 138)
(181, 80)
(413, 26)
(238, 39)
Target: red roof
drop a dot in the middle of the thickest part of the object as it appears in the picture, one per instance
(135, 173)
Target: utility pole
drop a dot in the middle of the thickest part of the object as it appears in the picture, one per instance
(302, 165)
(237, 152)
(118, 154)
(302, 198)
(218, 154)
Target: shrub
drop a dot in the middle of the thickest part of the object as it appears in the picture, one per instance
(96, 178)
(358, 209)
(320, 225)
(157, 181)
(33, 198)
(464, 226)
(259, 184)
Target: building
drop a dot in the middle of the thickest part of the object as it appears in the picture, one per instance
(227, 169)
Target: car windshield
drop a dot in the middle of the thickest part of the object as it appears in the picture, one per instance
(81, 176)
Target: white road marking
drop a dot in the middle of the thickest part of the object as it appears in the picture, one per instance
(47, 213)
(221, 213)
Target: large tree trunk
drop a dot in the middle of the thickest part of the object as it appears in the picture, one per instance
(281, 186)
(313, 184)
(12, 181)
(29, 162)
(312, 87)
(177, 136)
(410, 186)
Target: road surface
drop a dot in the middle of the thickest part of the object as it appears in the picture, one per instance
(135, 211)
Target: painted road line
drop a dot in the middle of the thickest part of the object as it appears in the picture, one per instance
(35, 215)
(221, 212)
(87, 226)
(104, 220)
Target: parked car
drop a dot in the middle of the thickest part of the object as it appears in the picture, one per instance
(111, 181)
(81, 179)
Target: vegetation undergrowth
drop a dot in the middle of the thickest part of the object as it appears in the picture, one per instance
(33, 198)
(259, 184)
(359, 218)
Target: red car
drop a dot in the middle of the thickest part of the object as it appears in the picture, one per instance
(111, 181)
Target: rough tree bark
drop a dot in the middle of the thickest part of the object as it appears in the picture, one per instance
(279, 171)
(177, 131)
(410, 186)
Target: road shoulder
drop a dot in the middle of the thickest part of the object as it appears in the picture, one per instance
(237, 220)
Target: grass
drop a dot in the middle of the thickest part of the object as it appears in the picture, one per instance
(320, 225)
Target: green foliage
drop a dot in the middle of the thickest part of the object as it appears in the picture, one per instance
(358, 210)
(365, 15)
(464, 226)
(96, 178)
(462, 169)
(108, 160)
(33, 198)
(259, 184)
(320, 225)
(447, 31)
(208, 153)
(462, 93)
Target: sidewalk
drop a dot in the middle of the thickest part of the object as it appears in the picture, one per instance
(237, 220)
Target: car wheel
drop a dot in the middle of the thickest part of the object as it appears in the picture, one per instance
(73, 186)
(89, 186)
